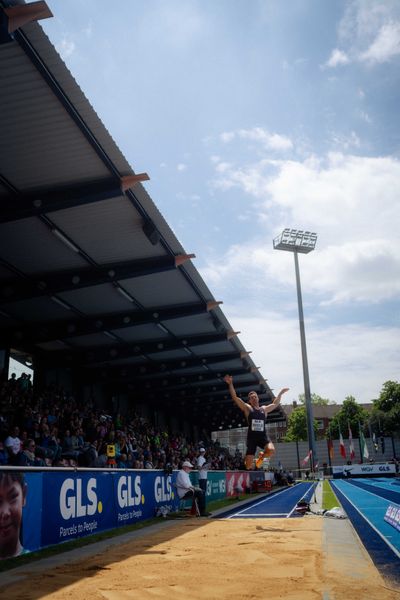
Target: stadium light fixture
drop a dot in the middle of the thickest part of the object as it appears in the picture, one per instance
(303, 242)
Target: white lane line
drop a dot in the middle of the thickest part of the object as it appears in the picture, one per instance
(260, 502)
(294, 507)
(263, 515)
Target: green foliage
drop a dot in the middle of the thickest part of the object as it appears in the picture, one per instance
(297, 425)
(350, 413)
(315, 399)
(385, 415)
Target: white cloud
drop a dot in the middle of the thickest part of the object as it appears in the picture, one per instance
(174, 24)
(350, 201)
(88, 30)
(385, 46)
(339, 357)
(364, 116)
(337, 57)
(65, 48)
(270, 141)
(344, 142)
(181, 167)
(370, 31)
(227, 136)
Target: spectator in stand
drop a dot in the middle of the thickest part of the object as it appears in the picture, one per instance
(67, 442)
(28, 457)
(13, 444)
(122, 461)
(90, 456)
(3, 454)
(35, 432)
(203, 466)
(23, 383)
(12, 382)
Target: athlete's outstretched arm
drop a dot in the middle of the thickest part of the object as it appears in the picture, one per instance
(238, 401)
(270, 407)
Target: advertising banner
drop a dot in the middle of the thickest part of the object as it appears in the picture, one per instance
(139, 494)
(20, 512)
(81, 503)
(237, 482)
(392, 516)
(216, 486)
(50, 507)
(364, 470)
(76, 504)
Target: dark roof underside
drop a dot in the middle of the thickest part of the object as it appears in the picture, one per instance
(92, 278)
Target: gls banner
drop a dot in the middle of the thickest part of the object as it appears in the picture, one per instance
(76, 504)
(138, 495)
(82, 503)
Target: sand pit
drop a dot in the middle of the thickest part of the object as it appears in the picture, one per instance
(210, 559)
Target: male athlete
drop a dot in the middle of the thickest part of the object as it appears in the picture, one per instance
(255, 415)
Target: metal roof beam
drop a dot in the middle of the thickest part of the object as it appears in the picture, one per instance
(21, 206)
(14, 17)
(218, 388)
(147, 368)
(48, 284)
(164, 381)
(55, 330)
(187, 393)
(106, 354)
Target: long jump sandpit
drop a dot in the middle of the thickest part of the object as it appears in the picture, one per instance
(207, 559)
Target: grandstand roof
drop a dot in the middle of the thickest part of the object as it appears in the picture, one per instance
(92, 278)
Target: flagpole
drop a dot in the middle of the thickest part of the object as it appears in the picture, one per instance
(359, 442)
(298, 456)
(330, 448)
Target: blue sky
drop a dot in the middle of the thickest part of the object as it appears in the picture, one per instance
(254, 116)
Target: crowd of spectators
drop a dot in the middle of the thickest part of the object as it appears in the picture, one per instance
(51, 428)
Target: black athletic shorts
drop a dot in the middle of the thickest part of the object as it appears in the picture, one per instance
(259, 441)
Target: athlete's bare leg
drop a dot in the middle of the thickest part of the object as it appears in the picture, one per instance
(248, 461)
(269, 450)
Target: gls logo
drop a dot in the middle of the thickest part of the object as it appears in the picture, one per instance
(129, 491)
(71, 499)
(162, 489)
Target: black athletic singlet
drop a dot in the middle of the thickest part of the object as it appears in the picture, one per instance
(256, 435)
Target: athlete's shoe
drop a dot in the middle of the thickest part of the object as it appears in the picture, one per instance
(260, 460)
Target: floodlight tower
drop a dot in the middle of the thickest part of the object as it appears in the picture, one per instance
(303, 242)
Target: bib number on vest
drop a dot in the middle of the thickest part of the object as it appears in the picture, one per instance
(257, 425)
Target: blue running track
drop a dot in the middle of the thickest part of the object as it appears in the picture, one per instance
(365, 502)
(281, 504)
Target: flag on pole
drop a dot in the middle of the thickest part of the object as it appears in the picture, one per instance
(330, 448)
(351, 445)
(363, 443)
(375, 442)
(307, 458)
(341, 442)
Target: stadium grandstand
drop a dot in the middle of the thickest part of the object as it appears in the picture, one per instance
(96, 293)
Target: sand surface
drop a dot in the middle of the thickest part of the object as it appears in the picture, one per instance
(211, 559)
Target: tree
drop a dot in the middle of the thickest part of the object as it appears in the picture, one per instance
(297, 425)
(351, 414)
(385, 416)
(315, 399)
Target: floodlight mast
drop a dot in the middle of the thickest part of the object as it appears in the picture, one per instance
(303, 242)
